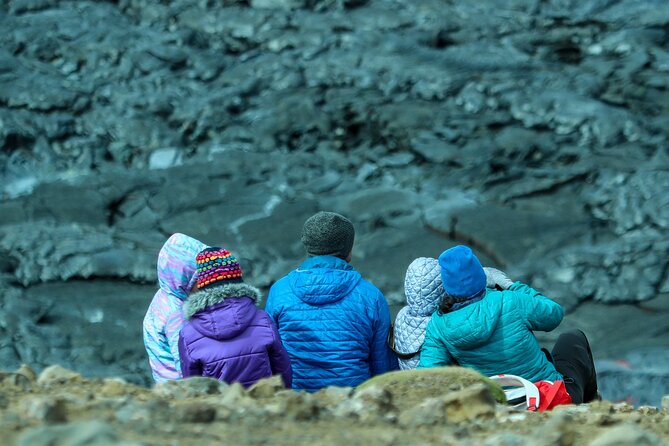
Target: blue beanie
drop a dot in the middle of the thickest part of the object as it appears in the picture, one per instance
(461, 272)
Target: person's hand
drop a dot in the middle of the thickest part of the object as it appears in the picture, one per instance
(495, 277)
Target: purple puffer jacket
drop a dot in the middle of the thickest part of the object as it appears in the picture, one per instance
(228, 338)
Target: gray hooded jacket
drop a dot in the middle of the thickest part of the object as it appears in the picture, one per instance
(423, 289)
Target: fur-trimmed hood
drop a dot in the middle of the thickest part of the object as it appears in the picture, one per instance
(209, 297)
(222, 312)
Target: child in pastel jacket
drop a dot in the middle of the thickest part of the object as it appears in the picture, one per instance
(164, 319)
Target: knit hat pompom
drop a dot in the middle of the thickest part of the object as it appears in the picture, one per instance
(328, 233)
(217, 266)
(461, 272)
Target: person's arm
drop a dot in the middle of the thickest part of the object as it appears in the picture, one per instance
(540, 312)
(270, 307)
(382, 359)
(433, 353)
(279, 360)
(189, 366)
(175, 322)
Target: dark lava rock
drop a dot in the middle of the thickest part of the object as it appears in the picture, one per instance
(534, 131)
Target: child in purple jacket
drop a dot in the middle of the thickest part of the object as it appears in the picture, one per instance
(227, 337)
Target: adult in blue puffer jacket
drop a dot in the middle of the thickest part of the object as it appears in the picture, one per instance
(333, 323)
(491, 331)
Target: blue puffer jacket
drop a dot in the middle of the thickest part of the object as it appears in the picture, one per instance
(494, 335)
(333, 323)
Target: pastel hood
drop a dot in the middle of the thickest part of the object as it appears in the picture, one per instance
(176, 265)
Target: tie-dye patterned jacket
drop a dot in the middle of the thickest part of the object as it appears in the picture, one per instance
(164, 318)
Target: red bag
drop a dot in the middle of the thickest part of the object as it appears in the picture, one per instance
(552, 394)
(525, 395)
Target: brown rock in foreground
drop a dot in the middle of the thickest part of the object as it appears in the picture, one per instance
(413, 386)
(202, 411)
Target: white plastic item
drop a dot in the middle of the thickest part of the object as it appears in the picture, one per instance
(520, 393)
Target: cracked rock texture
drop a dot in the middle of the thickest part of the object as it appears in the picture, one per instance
(535, 131)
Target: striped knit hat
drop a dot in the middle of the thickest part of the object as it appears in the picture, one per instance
(217, 266)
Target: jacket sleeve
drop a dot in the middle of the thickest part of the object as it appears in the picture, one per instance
(382, 359)
(175, 322)
(279, 360)
(270, 306)
(540, 312)
(433, 353)
(189, 366)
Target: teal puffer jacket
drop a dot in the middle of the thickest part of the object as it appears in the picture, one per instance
(494, 335)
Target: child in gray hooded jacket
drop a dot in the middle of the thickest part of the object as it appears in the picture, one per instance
(424, 291)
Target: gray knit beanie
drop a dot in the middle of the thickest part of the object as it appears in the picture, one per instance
(328, 233)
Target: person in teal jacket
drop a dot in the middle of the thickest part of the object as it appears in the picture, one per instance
(333, 323)
(486, 322)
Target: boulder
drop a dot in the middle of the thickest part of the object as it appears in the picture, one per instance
(28, 372)
(189, 387)
(372, 403)
(15, 380)
(44, 409)
(267, 388)
(193, 412)
(468, 404)
(56, 375)
(113, 387)
(625, 435)
(291, 405)
(411, 387)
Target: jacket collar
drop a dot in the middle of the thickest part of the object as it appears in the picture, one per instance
(209, 297)
(472, 300)
(331, 262)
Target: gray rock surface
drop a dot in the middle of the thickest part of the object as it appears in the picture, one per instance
(534, 131)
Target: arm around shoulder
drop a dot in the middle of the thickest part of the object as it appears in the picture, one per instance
(541, 313)
(271, 305)
(382, 359)
(279, 359)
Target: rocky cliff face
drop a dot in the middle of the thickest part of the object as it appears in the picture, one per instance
(536, 131)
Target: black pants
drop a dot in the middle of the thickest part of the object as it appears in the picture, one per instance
(573, 359)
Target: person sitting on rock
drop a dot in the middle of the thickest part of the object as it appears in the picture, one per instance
(164, 318)
(227, 337)
(333, 323)
(423, 290)
(491, 330)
